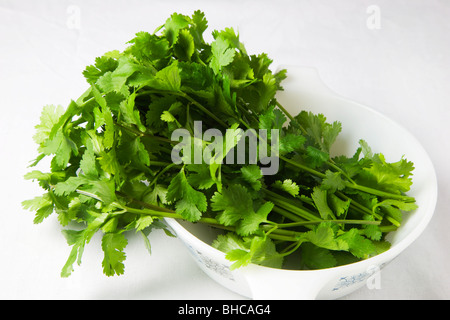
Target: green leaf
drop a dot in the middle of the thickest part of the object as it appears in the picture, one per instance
(250, 222)
(339, 207)
(129, 112)
(404, 206)
(222, 54)
(314, 257)
(106, 117)
(103, 190)
(324, 236)
(157, 196)
(319, 197)
(113, 245)
(167, 117)
(315, 157)
(149, 48)
(115, 81)
(243, 251)
(236, 206)
(288, 186)
(190, 203)
(143, 222)
(184, 48)
(76, 239)
(253, 175)
(290, 142)
(102, 65)
(88, 164)
(173, 26)
(320, 133)
(49, 117)
(69, 186)
(167, 79)
(62, 147)
(389, 177)
(234, 202)
(333, 181)
(358, 245)
(42, 205)
(198, 26)
(201, 179)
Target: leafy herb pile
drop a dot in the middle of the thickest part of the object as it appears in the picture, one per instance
(111, 168)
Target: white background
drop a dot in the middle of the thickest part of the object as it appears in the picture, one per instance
(401, 69)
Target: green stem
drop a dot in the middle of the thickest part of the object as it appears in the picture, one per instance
(155, 179)
(144, 134)
(379, 192)
(304, 168)
(296, 210)
(287, 214)
(304, 223)
(191, 100)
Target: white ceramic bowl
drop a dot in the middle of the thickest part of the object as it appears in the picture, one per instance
(305, 91)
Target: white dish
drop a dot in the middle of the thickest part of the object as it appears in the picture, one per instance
(303, 90)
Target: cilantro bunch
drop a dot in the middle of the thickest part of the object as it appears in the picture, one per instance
(111, 169)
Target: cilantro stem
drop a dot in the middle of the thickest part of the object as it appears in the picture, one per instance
(291, 117)
(191, 100)
(289, 251)
(279, 201)
(287, 214)
(201, 107)
(344, 221)
(155, 179)
(304, 168)
(379, 192)
(143, 134)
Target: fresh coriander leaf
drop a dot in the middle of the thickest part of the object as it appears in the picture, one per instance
(314, 257)
(184, 48)
(358, 245)
(222, 54)
(157, 196)
(167, 78)
(49, 117)
(62, 147)
(69, 186)
(149, 48)
(253, 175)
(198, 26)
(173, 26)
(243, 251)
(42, 205)
(288, 186)
(234, 203)
(88, 164)
(190, 203)
(113, 245)
(333, 181)
(76, 239)
(319, 197)
(315, 157)
(339, 207)
(236, 208)
(324, 236)
(201, 179)
(290, 142)
(102, 65)
(320, 133)
(143, 222)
